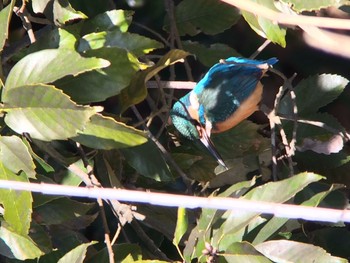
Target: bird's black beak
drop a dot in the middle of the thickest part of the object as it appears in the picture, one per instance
(205, 139)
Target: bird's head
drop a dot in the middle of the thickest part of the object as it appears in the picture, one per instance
(192, 129)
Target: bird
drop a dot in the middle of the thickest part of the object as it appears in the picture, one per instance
(228, 93)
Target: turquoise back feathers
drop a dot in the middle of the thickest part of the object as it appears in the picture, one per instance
(228, 93)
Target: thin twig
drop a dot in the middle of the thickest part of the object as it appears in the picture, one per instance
(260, 49)
(148, 241)
(153, 32)
(288, 19)
(96, 184)
(107, 232)
(15, 47)
(343, 134)
(165, 153)
(289, 147)
(54, 154)
(117, 233)
(22, 13)
(170, 9)
(187, 85)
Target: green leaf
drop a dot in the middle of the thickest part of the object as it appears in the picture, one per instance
(318, 139)
(59, 11)
(67, 37)
(275, 223)
(76, 255)
(133, 43)
(291, 251)
(241, 140)
(269, 229)
(121, 252)
(17, 246)
(244, 252)
(5, 17)
(211, 55)
(40, 236)
(108, 21)
(45, 112)
(282, 191)
(98, 85)
(17, 204)
(209, 219)
(278, 192)
(106, 133)
(147, 160)
(264, 27)
(312, 5)
(137, 90)
(15, 155)
(325, 237)
(49, 65)
(181, 226)
(42, 163)
(208, 16)
(238, 171)
(63, 210)
(313, 93)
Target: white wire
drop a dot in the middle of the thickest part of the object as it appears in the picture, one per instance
(171, 200)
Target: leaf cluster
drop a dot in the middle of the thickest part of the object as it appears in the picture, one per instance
(77, 109)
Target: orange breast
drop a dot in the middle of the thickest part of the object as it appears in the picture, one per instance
(247, 108)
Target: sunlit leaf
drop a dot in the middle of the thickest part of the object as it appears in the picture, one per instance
(49, 65)
(108, 21)
(137, 90)
(17, 204)
(106, 133)
(59, 11)
(275, 223)
(313, 93)
(133, 43)
(76, 255)
(265, 27)
(314, 4)
(291, 251)
(98, 85)
(45, 112)
(244, 252)
(18, 246)
(181, 225)
(193, 17)
(5, 16)
(277, 192)
(15, 155)
(209, 217)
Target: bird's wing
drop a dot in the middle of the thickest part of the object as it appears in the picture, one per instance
(224, 88)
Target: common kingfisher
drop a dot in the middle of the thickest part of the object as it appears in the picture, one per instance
(228, 93)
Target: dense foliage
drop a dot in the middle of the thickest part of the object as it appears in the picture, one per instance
(85, 101)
